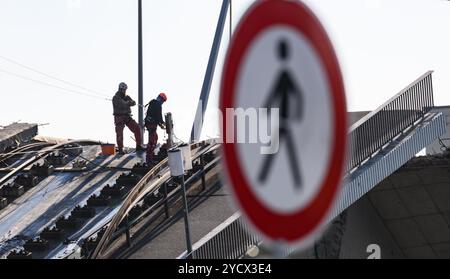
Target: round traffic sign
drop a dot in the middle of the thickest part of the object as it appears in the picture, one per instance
(281, 73)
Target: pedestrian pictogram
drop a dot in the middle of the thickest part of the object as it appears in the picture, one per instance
(284, 121)
(285, 91)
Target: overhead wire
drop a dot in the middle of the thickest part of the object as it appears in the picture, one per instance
(96, 96)
(177, 138)
(54, 86)
(92, 94)
(53, 77)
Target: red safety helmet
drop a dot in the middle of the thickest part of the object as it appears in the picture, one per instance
(163, 96)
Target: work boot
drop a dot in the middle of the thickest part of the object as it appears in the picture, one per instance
(120, 152)
(140, 148)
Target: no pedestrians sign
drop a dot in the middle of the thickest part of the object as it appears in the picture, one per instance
(281, 73)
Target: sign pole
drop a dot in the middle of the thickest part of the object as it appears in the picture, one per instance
(177, 166)
(186, 218)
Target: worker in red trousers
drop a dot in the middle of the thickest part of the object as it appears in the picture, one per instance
(122, 104)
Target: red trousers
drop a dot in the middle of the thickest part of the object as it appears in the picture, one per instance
(152, 141)
(124, 120)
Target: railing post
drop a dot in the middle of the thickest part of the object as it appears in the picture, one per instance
(127, 231)
(202, 163)
(166, 205)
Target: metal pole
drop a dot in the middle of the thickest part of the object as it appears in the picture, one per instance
(140, 72)
(206, 87)
(169, 129)
(127, 231)
(166, 205)
(186, 219)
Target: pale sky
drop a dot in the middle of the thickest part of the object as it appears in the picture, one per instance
(382, 45)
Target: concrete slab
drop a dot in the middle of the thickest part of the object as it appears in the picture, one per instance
(417, 200)
(404, 179)
(364, 227)
(440, 193)
(202, 219)
(421, 252)
(16, 133)
(406, 232)
(442, 250)
(384, 185)
(434, 227)
(388, 204)
(432, 175)
(446, 216)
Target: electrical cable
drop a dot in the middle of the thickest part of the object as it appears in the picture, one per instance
(94, 93)
(177, 138)
(53, 77)
(54, 86)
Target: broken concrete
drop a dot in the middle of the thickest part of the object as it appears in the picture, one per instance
(15, 134)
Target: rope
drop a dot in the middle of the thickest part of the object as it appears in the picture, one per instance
(175, 137)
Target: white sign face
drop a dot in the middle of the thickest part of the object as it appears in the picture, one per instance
(294, 174)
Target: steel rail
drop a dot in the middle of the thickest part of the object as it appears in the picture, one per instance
(42, 155)
(19, 150)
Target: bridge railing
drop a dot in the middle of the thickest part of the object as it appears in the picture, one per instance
(372, 132)
(230, 240)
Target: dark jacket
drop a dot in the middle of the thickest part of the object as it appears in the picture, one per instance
(154, 113)
(122, 104)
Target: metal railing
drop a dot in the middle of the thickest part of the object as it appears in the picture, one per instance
(381, 126)
(230, 240)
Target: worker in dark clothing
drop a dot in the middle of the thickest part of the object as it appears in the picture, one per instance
(122, 104)
(154, 119)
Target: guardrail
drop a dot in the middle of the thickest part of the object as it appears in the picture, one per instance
(376, 129)
(230, 240)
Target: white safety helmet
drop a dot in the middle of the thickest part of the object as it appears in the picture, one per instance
(123, 86)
